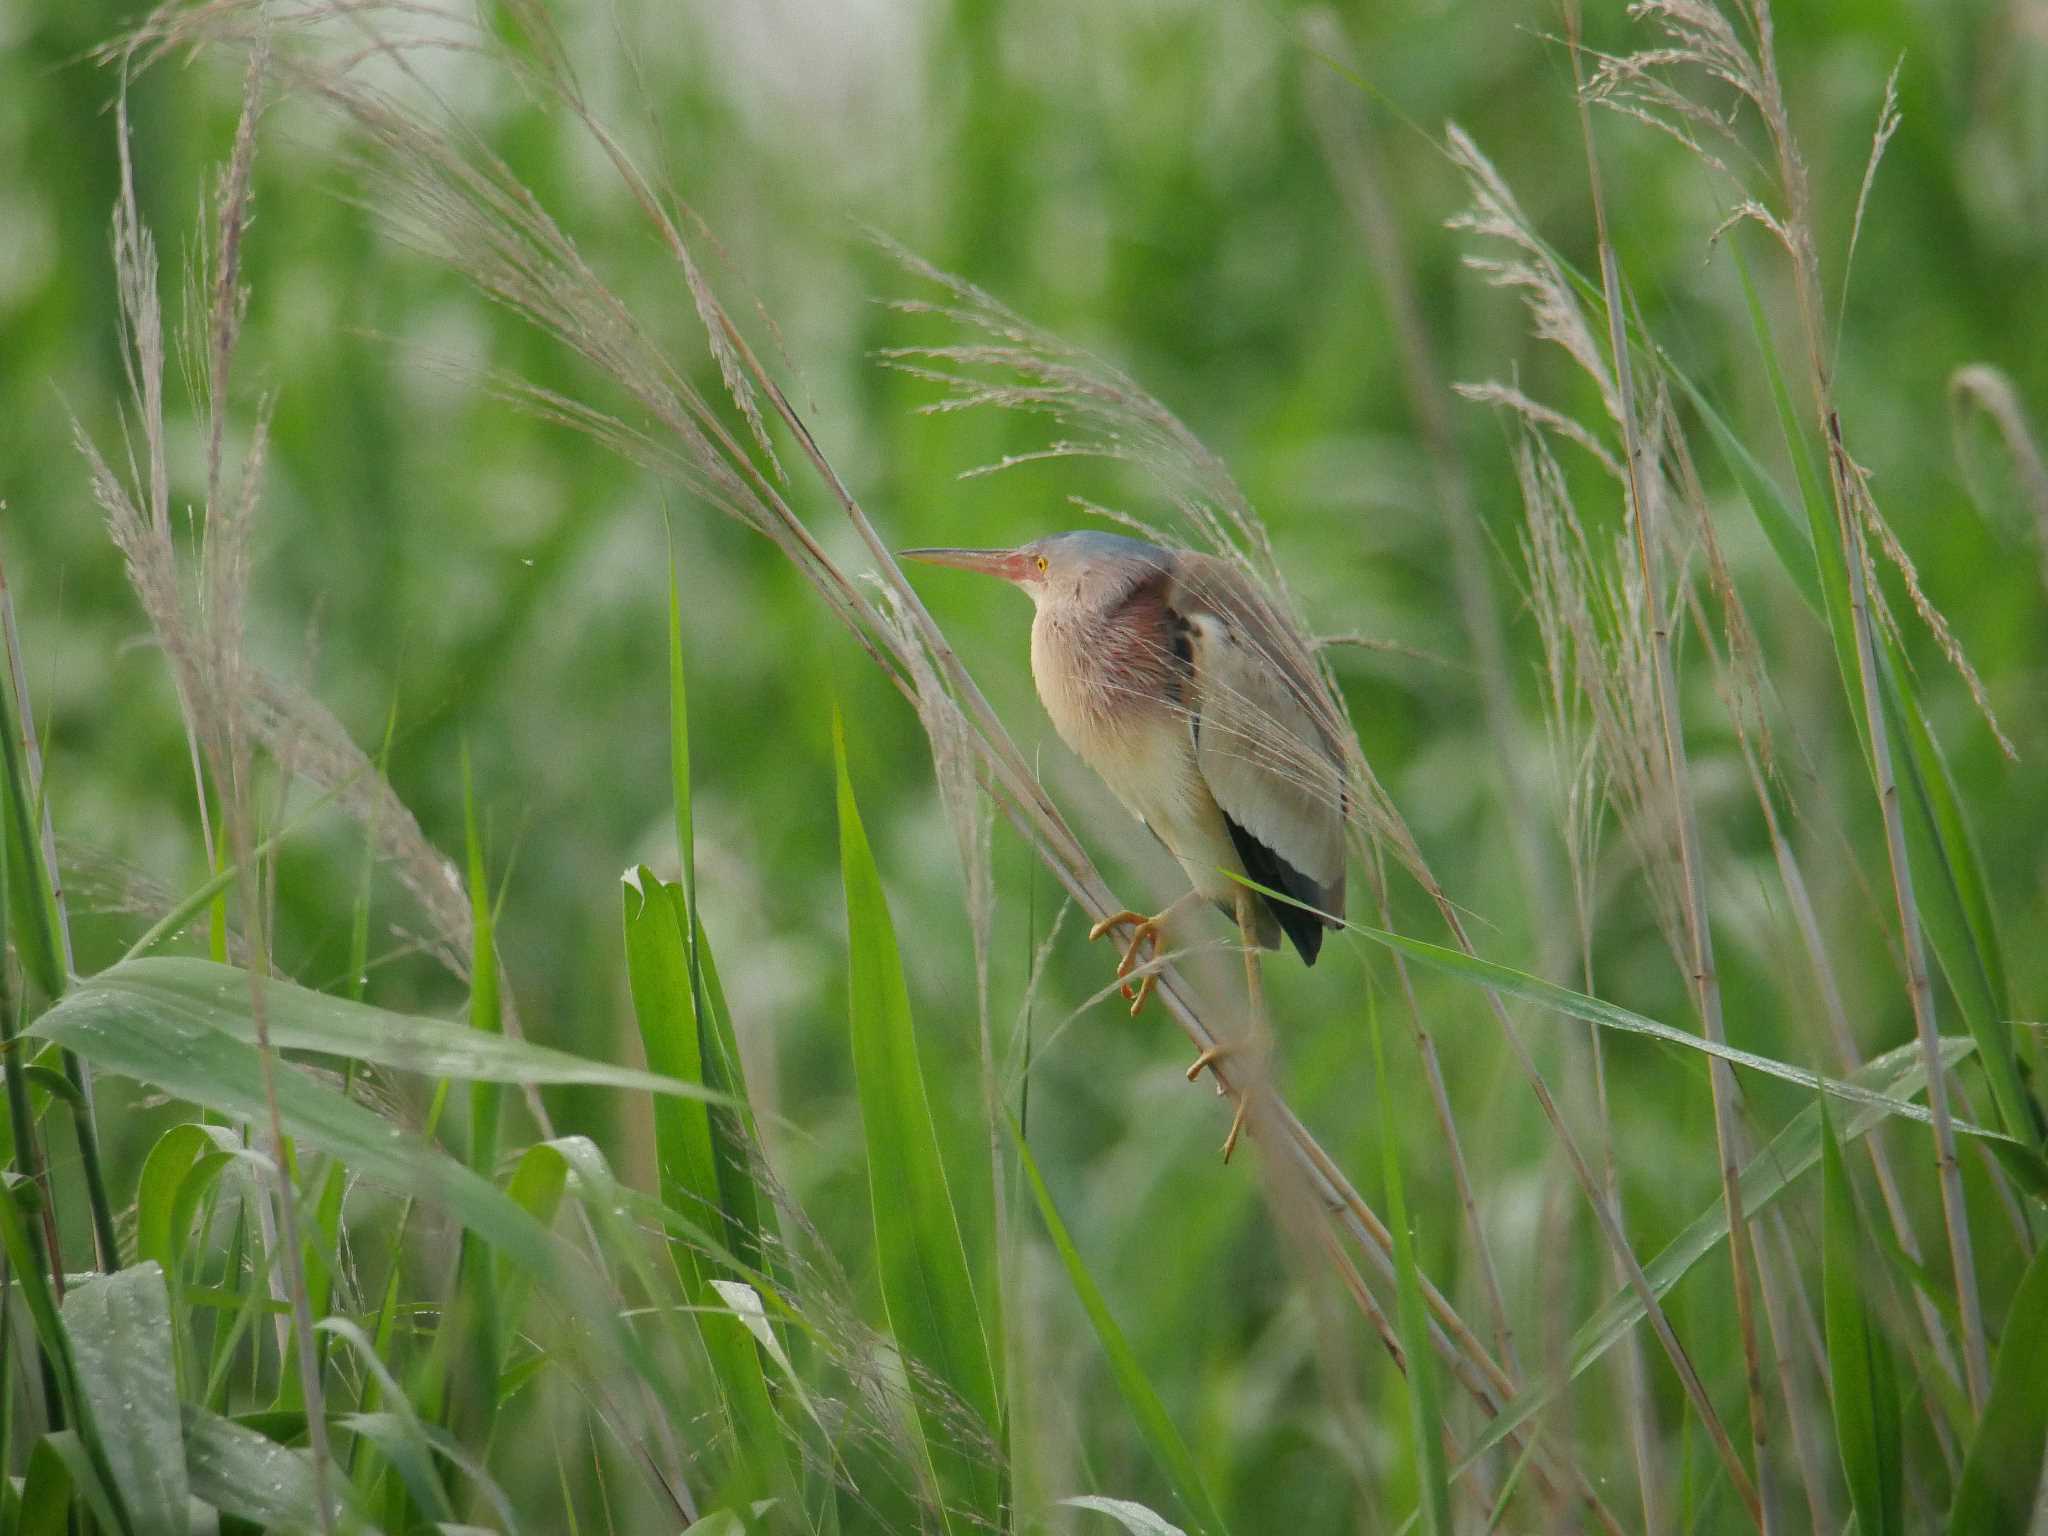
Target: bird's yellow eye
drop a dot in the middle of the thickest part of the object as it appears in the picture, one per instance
(1042, 563)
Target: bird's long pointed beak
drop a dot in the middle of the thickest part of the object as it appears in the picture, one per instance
(1008, 564)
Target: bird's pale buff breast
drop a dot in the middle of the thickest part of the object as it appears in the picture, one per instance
(1108, 689)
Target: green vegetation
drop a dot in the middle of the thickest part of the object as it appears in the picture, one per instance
(1641, 416)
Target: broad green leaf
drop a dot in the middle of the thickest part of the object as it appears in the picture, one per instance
(1140, 1396)
(2002, 1471)
(200, 1054)
(177, 1175)
(163, 992)
(1865, 1390)
(120, 1327)
(927, 1284)
(243, 1473)
(1425, 1413)
(162, 1218)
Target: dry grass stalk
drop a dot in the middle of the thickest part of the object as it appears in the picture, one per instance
(202, 632)
(1646, 509)
(1698, 39)
(1559, 568)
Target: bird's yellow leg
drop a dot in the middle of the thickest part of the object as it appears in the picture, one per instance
(1143, 928)
(1255, 995)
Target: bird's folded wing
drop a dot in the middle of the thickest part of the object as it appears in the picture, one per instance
(1266, 756)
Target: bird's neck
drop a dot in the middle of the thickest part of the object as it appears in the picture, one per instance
(1070, 651)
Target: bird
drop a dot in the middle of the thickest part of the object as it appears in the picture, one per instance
(1177, 679)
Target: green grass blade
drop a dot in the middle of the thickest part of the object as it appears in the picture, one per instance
(679, 738)
(30, 913)
(1425, 1412)
(1183, 1472)
(120, 1327)
(45, 1501)
(1784, 527)
(85, 1487)
(459, 1386)
(485, 1012)
(32, 900)
(718, 1050)
(1954, 904)
(25, 1260)
(1781, 1163)
(1509, 982)
(665, 1003)
(204, 995)
(658, 974)
(2002, 1471)
(927, 1286)
(1865, 1389)
(1951, 890)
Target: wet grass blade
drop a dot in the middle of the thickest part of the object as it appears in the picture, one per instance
(2002, 1472)
(251, 1477)
(120, 1327)
(1425, 1411)
(927, 1286)
(1183, 1472)
(1865, 1388)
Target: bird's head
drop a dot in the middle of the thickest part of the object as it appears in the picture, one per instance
(1086, 568)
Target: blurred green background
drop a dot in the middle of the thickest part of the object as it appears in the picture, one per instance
(1145, 178)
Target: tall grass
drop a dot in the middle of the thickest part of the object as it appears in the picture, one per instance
(345, 1307)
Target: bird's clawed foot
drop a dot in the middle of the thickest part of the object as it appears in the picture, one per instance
(1143, 928)
(1208, 1060)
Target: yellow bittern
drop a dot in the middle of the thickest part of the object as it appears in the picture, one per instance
(1179, 682)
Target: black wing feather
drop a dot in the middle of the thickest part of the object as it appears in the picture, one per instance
(1267, 868)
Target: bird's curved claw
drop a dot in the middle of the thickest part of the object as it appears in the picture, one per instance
(1207, 1061)
(1143, 928)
